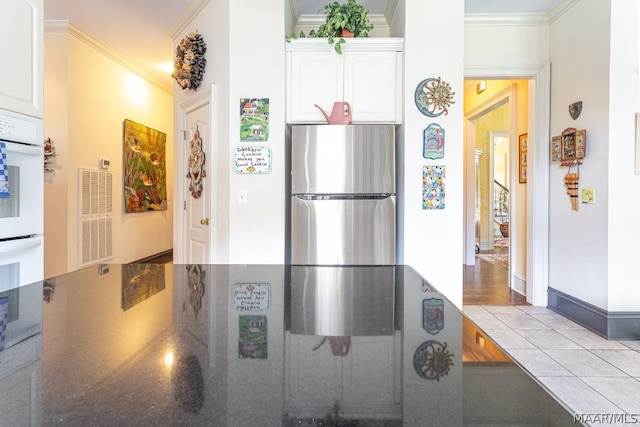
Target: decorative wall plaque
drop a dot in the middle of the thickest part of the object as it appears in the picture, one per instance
(196, 165)
(432, 360)
(433, 142)
(433, 97)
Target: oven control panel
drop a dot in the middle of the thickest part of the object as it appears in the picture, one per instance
(20, 128)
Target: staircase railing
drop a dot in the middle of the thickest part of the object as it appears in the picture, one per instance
(500, 203)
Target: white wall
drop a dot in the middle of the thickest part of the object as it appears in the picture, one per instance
(253, 232)
(100, 94)
(624, 185)
(578, 242)
(433, 238)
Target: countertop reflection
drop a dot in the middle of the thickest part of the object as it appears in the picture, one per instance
(255, 345)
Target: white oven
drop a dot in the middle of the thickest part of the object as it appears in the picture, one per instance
(21, 199)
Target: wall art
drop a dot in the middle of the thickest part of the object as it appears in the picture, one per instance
(254, 119)
(140, 282)
(189, 63)
(253, 337)
(252, 160)
(522, 158)
(432, 360)
(433, 142)
(433, 315)
(251, 296)
(556, 149)
(433, 97)
(575, 109)
(145, 182)
(433, 186)
(195, 167)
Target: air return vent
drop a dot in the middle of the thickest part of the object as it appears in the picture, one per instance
(95, 188)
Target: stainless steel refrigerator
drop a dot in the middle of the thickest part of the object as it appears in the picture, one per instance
(343, 203)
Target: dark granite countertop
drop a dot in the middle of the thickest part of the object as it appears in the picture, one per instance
(255, 345)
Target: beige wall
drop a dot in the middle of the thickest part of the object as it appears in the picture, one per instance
(88, 95)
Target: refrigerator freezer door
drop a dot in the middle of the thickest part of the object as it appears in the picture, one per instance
(351, 159)
(343, 231)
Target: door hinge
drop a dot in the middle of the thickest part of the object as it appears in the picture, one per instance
(184, 135)
(184, 205)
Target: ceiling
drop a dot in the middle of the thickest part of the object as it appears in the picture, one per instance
(138, 29)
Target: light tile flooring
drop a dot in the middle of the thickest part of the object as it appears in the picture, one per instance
(587, 373)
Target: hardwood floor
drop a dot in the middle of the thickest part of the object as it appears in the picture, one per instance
(487, 284)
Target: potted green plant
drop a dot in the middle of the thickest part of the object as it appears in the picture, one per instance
(342, 20)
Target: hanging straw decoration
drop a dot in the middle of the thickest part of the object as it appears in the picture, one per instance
(571, 182)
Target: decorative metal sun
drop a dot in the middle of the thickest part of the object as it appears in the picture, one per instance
(434, 97)
(432, 360)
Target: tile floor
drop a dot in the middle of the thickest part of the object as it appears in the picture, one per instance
(587, 373)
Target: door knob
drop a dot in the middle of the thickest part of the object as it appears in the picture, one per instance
(204, 221)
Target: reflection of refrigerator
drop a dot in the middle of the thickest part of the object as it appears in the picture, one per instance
(343, 204)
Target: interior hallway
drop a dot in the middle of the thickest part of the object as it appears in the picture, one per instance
(585, 372)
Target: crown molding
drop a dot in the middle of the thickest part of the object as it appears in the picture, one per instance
(65, 27)
(307, 20)
(505, 19)
(188, 14)
(560, 9)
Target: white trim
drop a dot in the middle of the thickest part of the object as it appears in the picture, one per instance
(364, 43)
(505, 19)
(188, 14)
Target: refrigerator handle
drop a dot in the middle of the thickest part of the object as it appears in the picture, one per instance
(376, 196)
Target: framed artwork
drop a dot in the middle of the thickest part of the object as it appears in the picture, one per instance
(433, 187)
(254, 119)
(569, 149)
(433, 142)
(555, 148)
(145, 181)
(522, 158)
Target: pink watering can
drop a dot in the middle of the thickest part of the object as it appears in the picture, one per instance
(340, 114)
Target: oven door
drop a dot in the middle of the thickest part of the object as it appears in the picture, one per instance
(21, 262)
(22, 214)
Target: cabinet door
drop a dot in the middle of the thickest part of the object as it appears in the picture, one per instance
(372, 85)
(21, 40)
(315, 77)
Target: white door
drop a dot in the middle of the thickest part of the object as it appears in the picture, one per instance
(197, 184)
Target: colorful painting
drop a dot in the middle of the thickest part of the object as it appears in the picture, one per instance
(433, 187)
(253, 337)
(254, 119)
(145, 182)
(139, 282)
(433, 142)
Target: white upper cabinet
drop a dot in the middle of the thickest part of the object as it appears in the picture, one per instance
(368, 75)
(21, 44)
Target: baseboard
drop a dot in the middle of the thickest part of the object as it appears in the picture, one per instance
(519, 285)
(151, 257)
(618, 325)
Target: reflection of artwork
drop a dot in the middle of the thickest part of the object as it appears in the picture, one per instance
(195, 276)
(433, 187)
(145, 184)
(253, 337)
(251, 296)
(254, 119)
(433, 142)
(196, 165)
(432, 360)
(139, 282)
(433, 97)
(433, 315)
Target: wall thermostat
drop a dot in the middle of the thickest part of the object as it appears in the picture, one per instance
(104, 163)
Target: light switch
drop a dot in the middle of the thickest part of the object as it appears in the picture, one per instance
(242, 196)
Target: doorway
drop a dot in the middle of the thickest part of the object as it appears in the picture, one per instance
(499, 238)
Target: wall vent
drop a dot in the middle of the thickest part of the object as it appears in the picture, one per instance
(95, 188)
